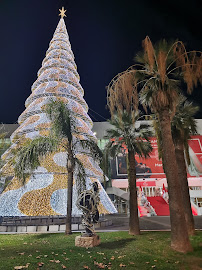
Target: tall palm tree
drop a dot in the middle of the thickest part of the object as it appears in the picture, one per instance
(161, 69)
(136, 139)
(61, 137)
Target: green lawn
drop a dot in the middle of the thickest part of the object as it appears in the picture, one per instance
(117, 250)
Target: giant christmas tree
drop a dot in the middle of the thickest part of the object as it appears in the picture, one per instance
(45, 191)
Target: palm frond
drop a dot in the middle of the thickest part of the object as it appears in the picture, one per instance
(113, 148)
(92, 148)
(142, 148)
(27, 158)
(125, 132)
(122, 92)
(166, 66)
(62, 121)
(158, 134)
(183, 124)
(104, 164)
(80, 174)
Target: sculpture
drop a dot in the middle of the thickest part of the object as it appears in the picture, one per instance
(88, 202)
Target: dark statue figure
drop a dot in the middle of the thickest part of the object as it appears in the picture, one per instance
(88, 202)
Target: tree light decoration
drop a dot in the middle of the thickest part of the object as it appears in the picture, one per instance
(44, 193)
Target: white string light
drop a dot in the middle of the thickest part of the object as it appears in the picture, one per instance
(44, 192)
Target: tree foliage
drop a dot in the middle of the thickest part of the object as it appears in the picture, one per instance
(124, 131)
(63, 127)
(157, 76)
(183, 125)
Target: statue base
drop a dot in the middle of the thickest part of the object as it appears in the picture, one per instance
(90, 241)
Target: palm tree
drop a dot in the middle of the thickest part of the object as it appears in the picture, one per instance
(157, 76)
(4, 145)
(61, 137)
(183, 126)
(136, 139)
(105, 166)
(161, 69)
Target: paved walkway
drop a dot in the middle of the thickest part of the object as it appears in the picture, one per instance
(155, 223)
(121, 223)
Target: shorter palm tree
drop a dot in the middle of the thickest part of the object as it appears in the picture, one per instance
(105, 166)
(4, 144)
(183, 125)
(61, 137)
(125, 133)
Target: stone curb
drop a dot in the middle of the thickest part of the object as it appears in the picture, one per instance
(48, 228)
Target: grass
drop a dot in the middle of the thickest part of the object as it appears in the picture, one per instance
(117, 250)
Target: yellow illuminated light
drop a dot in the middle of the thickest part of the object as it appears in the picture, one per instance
(62, 12)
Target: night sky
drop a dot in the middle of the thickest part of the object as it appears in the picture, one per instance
(105, 35)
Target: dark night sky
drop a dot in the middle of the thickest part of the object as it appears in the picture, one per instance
(105, 36)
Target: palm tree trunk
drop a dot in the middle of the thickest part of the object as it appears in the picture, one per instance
(134, 228)
(182, 172)
(179, 234)
(69, 194)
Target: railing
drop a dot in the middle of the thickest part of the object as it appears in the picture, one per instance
(195, 193)
(37, 220)
(197, 208)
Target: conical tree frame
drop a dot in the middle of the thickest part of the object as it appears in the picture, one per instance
(45, 191)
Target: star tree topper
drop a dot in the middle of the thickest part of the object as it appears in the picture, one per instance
(62, 12)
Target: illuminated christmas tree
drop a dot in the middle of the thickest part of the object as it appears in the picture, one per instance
(44, 192)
